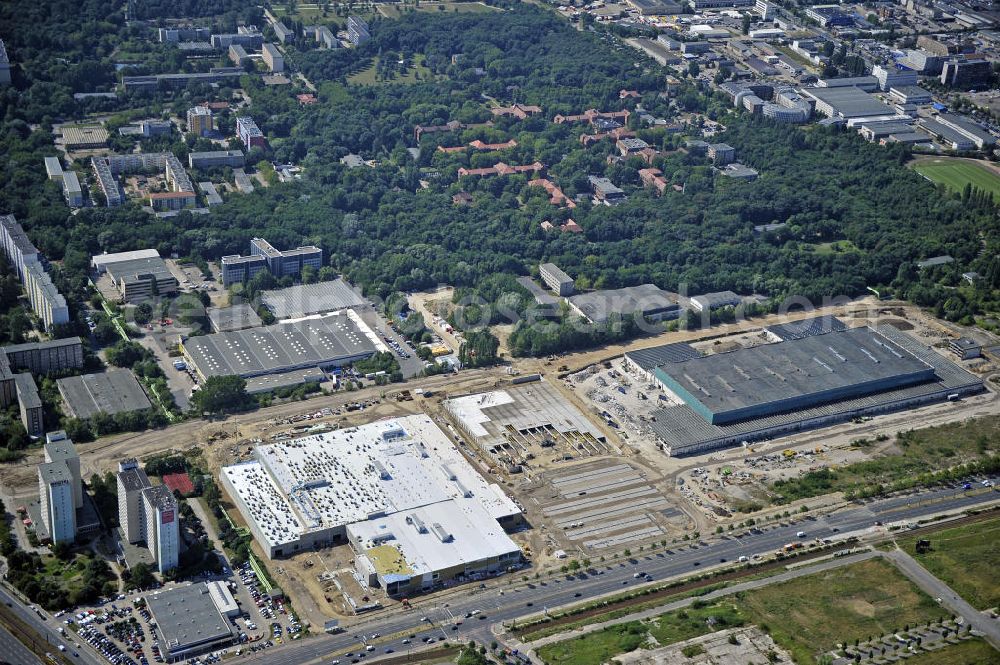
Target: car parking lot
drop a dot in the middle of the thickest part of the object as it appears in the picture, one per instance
(122, 631)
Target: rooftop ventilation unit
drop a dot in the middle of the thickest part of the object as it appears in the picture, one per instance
(417, 523)
(441, 533)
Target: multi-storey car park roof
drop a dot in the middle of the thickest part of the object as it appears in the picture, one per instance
(316, 341)
(684, 431)
(797, 373)
(521, 415)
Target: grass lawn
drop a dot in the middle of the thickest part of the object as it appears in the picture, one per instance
(955, 174)
(395, 11)
(970, 652)
(600, 646)
(597, 647)
(810, 615)
(697, 620)
(919, 451)
(967, 558)
(368, 75)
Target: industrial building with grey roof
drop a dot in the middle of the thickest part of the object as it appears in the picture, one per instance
(114, 391)
(847, 102)
(316, 341)
(645, 300)
(804, 382)
(307, 299)
(188, 621)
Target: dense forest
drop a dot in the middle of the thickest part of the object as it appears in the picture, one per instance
(855, 216)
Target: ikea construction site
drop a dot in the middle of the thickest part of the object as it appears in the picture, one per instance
(502, 470)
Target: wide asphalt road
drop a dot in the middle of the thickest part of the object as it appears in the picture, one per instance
(15, 653)
(47, 629)
(510, 599)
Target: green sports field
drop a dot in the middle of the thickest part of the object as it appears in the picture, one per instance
(956, 173)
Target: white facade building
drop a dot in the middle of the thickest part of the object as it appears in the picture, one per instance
(162, 532)
(55, 493)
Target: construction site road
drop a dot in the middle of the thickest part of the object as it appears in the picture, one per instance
(104, 454)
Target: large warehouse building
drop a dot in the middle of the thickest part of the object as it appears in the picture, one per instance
(415, 511)
(316, 341)
(308, 299)
(815, 376)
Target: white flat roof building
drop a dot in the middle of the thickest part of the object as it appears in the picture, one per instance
(318, 489)
(223, 598)
(100, 262)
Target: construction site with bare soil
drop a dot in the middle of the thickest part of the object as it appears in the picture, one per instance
(574, 448)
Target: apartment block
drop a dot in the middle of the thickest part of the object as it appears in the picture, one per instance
(250, 133)
(199, 120)
(556, 279)
(60, 448)
(131, 513)
(273, 58)
(206, 160)
(282, 32)
(56, 355)
(55, 493)
(357, 30)
(72, 190)
(4, 65)
(29, 404)
(161, 522)
(238, 55)
(48, 303)
(19, 249)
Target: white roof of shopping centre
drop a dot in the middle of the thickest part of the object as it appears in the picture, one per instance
(437, 537)
(353, 475)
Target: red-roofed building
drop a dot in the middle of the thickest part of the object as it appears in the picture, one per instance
(502, 169)
(616, 134)
(571, 227)
(306, 98)
(179, 482)
(629, 94)
(520, 111)
(653, 178)
(590, 115)
(556, 195)
(462, 199)
(506, 145)
(479, 145)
